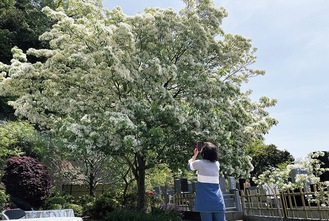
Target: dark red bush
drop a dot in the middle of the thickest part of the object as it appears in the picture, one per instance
(27, 182)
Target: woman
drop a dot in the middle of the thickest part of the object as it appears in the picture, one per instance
(209, 199)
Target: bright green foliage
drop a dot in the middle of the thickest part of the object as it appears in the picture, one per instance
(160, 175)
(142, 87)
(17, 138)
(4, 199)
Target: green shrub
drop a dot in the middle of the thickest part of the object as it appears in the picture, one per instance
(104, 205)
(4, 198)
(55, 206)
(152, 201)
(87, 209)
(130, 201)
(85, 199)
(78, 210)
(170, 213)
(55, 201)
(62, 200)
(87, 203)
(58, 200)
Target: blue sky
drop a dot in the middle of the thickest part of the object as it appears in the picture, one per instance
(292, 41)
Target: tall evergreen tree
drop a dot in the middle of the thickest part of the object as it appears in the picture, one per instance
(265, 157)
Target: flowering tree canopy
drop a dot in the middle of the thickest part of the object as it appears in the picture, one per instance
(142, 87)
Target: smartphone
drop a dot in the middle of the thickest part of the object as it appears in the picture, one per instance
(199, 145)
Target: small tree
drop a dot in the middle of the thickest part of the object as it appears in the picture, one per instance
(27, 182)
(278, 179)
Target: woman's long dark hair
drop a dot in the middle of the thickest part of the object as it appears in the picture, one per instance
(209, 152)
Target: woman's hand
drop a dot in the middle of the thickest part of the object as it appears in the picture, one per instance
(196, 152)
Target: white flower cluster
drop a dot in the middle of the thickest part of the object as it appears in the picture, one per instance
(300, 174)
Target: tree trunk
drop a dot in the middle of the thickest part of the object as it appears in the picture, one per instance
(92, 189)
(126, 187)
(92, 183)
(141, 183)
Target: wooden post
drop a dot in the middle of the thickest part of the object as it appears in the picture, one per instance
(238, 200)
(243, 198)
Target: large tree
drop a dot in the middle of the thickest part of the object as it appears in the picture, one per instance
(143, 87)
